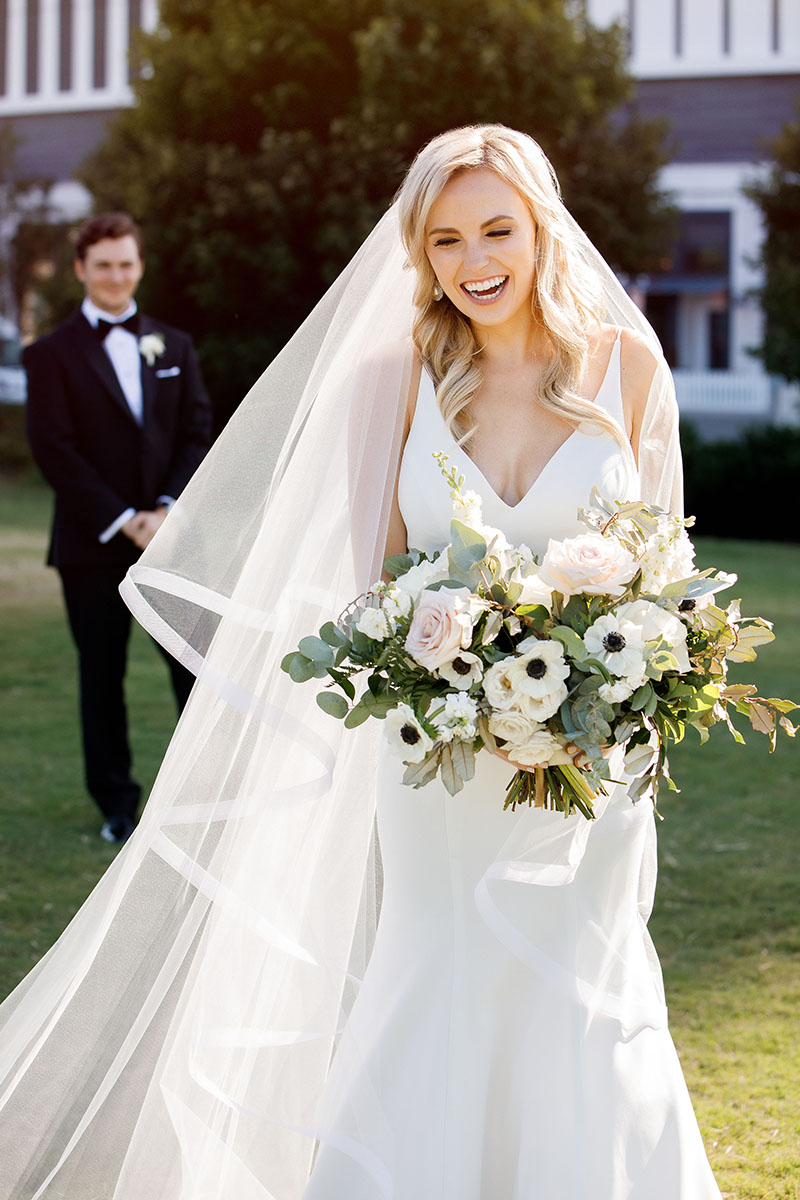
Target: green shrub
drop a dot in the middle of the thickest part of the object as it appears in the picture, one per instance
(746, 488)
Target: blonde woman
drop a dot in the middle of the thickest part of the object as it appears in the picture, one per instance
(500, 1031)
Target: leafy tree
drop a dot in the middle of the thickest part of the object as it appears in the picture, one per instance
(268, 137)
(779, 200)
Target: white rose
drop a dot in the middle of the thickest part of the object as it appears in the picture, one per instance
(655, 622)
(440, 627)
(541, 708)
(542, 749)
(497, 685)
(373, 624)
(589, 563)
(405, 735)
(463, 670)
(512, 726)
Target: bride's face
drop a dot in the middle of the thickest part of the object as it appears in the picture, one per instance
(480, 240)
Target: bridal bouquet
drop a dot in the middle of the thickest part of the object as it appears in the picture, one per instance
(613, 639)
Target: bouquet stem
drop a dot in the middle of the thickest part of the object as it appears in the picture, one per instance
(563, 789)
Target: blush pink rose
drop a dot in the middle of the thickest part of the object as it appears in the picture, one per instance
(440, 627)
(588, 563)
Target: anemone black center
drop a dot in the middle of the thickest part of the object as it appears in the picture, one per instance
(614, 642)
(461, 667)
(536, 668)
(687, 605)
(410, 735)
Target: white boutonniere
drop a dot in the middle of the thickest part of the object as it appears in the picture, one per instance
(151, 347)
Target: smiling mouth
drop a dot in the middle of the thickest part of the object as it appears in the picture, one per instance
(483, 291)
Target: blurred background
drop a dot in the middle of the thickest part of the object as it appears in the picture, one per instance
(257, 143)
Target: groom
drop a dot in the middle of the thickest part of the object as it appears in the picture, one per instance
(118, 421)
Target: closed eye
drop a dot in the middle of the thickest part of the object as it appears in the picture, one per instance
(493, 233)
(445, 241)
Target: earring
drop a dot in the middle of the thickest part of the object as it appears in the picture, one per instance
(437, 292)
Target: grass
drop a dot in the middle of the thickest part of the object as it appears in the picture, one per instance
(726, 920)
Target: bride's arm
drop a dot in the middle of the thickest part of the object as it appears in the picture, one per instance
(637, 368)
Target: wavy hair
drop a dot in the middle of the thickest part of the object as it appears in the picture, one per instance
(567, 297)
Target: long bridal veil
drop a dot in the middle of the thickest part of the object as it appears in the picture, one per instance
(176, 1041)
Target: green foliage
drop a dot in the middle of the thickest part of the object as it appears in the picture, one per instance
(268, 137)
(778, 197)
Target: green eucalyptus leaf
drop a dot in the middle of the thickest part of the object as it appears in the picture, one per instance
(333, 705)
(357, 716)
(315, 649)
(466, 546)
(333, 636)
(301, 669)
(398, 564)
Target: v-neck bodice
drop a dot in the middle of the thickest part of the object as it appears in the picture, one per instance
(550, 506)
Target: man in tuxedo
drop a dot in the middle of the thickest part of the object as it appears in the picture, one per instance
(118, 421)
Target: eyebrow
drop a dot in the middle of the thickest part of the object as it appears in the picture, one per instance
(491, 221)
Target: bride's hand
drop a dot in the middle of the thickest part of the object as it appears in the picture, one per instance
(579, 757)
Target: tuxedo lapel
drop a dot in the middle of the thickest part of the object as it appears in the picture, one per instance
(148, 376)
(89, 345)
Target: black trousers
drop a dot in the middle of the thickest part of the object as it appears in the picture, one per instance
(100, 622)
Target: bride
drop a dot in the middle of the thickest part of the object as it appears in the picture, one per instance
(226, 1018)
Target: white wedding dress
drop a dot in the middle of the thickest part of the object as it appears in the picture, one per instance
(510, 1041)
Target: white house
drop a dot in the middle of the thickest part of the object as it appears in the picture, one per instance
(725, 72)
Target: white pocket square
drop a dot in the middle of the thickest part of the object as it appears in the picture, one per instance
(166, 372)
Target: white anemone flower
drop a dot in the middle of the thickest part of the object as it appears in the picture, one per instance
(540, 669)
(457, 719)
(406, 737)
(463, 670)
(656, 622)
(616, 643)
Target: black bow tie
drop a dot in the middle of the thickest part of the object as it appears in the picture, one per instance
(103, 328)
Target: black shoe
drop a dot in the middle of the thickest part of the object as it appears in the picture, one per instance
(117, 830)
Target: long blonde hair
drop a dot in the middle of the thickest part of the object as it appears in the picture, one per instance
(567, 297)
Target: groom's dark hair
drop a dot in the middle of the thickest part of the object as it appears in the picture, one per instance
(107, 225)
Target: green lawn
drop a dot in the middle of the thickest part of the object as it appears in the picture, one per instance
(727, 918)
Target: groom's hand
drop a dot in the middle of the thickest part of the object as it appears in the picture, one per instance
(142, 528)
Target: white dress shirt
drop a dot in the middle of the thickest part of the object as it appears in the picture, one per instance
(122, 348)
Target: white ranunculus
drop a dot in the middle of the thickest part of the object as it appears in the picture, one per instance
(458, 718)
(440, 627)
(373, 624)
(417, 578)
(463, 670)
(405, 735)
(617, 644)
(656, 622)
(540, 669)
(590, 564)
(542, 749)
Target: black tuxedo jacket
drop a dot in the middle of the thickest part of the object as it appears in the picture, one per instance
(88, 445)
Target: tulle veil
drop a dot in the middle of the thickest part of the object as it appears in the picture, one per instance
(176, 1041)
